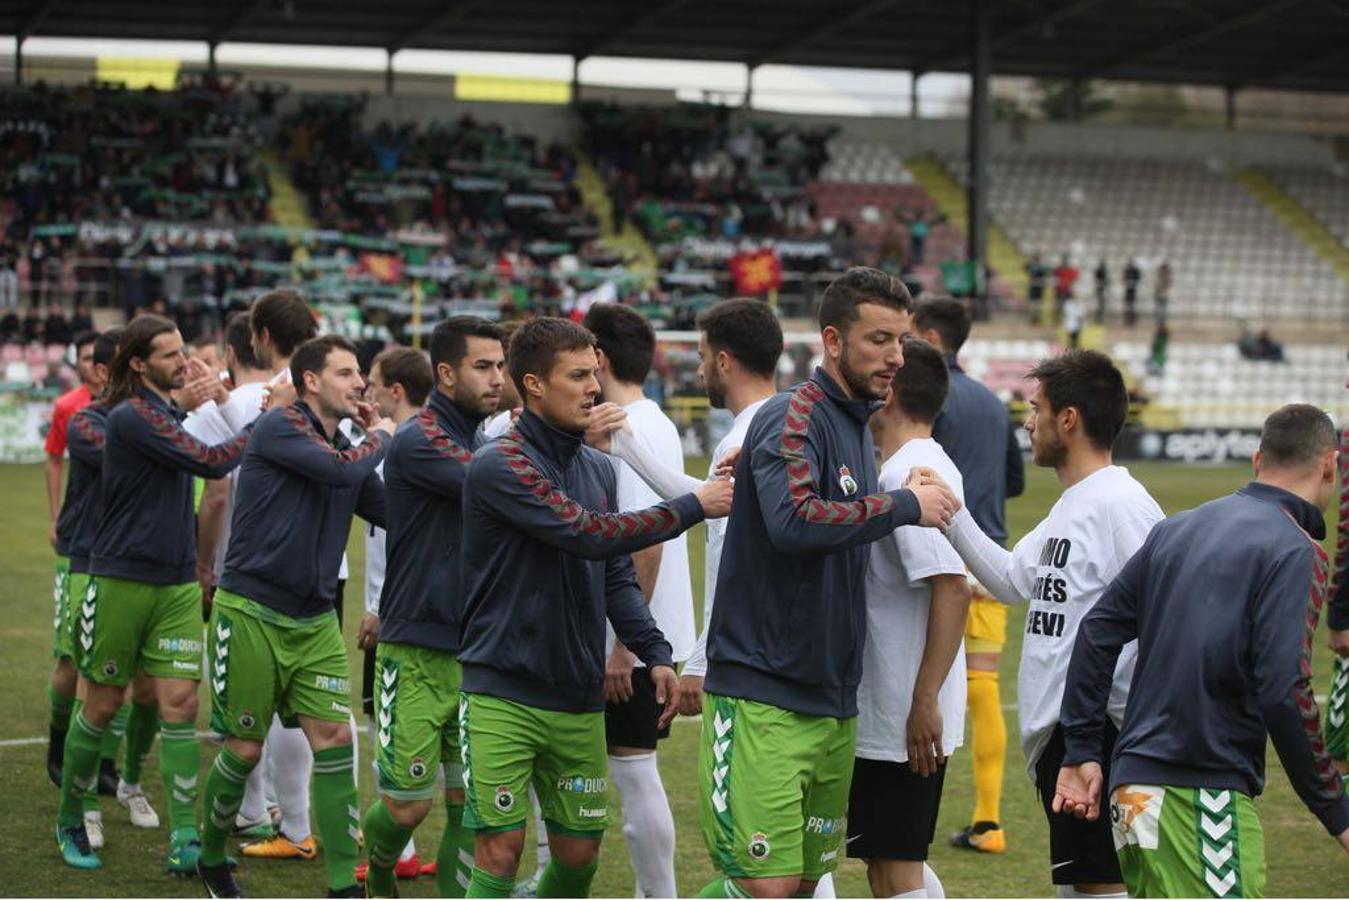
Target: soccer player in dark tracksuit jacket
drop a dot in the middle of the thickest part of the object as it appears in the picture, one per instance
(143, 609)
(785, 643)
(274, 643)
(416, 674)
(1337, 617)
(1224, 601)
(545, 561)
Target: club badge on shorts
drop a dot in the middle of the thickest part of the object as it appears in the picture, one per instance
(505, 799)
(846, 481)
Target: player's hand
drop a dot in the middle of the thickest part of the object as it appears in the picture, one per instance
(197, 391)
(207, 601)
(280, 394)
(936, 504)
(1343, 838)
(618, 675)
(726, 465)
(691, 695)
(715, 496)
(924, 736)
(1339, 642)
(51, 538)
(667, 692)
(368, 635)
(1078, 791)
(605, 419)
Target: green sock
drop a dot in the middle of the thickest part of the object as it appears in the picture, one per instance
(79, 769)
(112, 736)
(179, 765)
(485, 884)
(561, 881)
(337, 815)
(60, 709)
(384, 843)
(224, 793)
(141, 728)
(724, 887)
(454, 860)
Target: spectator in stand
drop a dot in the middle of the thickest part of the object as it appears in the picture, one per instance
(1161, 337)
(1102, 290)
(57, 329)
(1074, 318)
(918, 229)
(81, 319)
(1065, 280)
(1162, 291)
(1132, 276)
(9, 283)
(1036, 273)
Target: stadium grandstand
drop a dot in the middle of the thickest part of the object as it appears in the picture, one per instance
(1163, 181)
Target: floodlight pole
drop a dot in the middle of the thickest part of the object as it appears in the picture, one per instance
(210, 56)
(749, 85)
(576, 81)
(978, 150)
(914, 112)
(18, 60)
(1230, 95)
(388, 71)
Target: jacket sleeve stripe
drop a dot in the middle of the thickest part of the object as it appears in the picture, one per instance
(296, 419)
(1306, 700)
(655, 520)
(91, 435)
(165, 427)
(441, 442)
(1339, 617)
(800, 484)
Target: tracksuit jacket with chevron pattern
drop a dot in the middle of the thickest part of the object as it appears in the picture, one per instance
(545, 561)
(298, 487)
(1338, 615)
(790, 619)
(423, 485)
(1224, 601)
(85, 438)
(146, 530)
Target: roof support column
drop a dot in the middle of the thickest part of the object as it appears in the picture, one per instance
(1230, 96)
(749, 85)
(388, 71)
(210, 56)
(576, 81)
(18, 60)
(977, 148)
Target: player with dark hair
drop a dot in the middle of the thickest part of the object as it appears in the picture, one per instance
(274, 642)
(281, 321)
(545, 562)
(1223, 602)
(911, 702)
(785, 643)
(143, 607)
(979, 436)
(416, 674)
(1060, 569)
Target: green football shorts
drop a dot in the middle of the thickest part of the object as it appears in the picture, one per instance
(417, 714)
(122, 626)
(78, 592)
(507, 746)
(61, 645)
(1337, 712)
(1187, 842)
(264, 662)
(774, 788)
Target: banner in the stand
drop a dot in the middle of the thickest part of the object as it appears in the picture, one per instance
(756, 272)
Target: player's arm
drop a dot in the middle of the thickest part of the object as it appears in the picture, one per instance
(1280, 647)
(991, 564)
(786, 471)
(1016, 464)
(1337, 613)
(215, 500)
(370, 501)
(509, 486)
(53, 466)
(634, 626)
(86, 439)
(951, 596)
(375, 548)
(159, 437)
(435, 463)
(289, 440)
(665, 481)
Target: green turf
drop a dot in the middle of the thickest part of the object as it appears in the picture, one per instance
(1303, 860)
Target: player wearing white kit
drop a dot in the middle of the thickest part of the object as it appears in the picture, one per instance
(911, 702)
(1060, 569)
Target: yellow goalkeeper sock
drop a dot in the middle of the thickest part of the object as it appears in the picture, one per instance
(990, 744)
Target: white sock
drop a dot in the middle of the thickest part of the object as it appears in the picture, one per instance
(355, 752)
(931, 883)
(1069, 890)
(545, 852)
(291, 765)
(408, 852)
(825, 886)
(253, 809)
(648, 825)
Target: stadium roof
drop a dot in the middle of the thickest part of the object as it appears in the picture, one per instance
(1280, 44)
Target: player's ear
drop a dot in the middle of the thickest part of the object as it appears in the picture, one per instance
(533, 385)
(832, 339)
(445, 374)
(601, 360)
(1255, 463)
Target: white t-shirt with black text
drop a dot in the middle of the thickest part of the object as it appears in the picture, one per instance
(899, 599)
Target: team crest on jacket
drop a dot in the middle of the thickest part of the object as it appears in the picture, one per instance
(846, 481)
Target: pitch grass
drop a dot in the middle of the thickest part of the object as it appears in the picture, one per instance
(1303, 860)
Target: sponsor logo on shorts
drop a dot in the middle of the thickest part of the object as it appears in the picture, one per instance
(587, 813)
(829, 857)
(246, 719)
(180, 666)
(505, 798)
(333, 685)
(819, 825)
(110, 668)
(342, 708)
(576, 784)
(418, 768)
(759, 848)
(180, 645)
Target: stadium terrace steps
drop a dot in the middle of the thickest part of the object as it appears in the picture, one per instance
(1298, 218)
(625, 239)
(1009, 266)
(287, 203)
